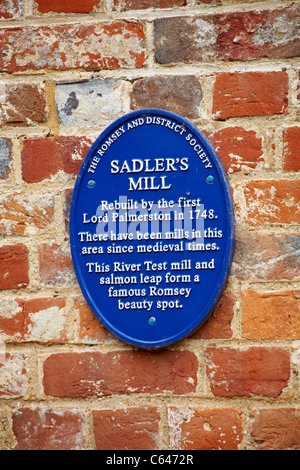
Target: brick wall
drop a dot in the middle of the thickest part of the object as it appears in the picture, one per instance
(67, 70)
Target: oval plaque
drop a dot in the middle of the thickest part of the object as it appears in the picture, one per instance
(152, 228)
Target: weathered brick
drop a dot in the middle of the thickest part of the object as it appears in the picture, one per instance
(39, 320)
(55, 265)
(219, 323)
(13, 378)
(68, 193)
(276, 429)
(26, 213)
(256, 371)
(90, 47)
(48, 429)
(250, 94)
(180, 94)
(123, 5)
(72, 6)
(254, 35)
(271, 315)
(185, 39)
(43, 157)
(13, 267)
(88, 102)
(268, 201)
(90, 328)
(291, 150)
(22, 104)
(130, 429)
(231, 36)
(266, 256)
(5, 158)
(237, 148)
(11, 9)
(209, 429)
(120, 372)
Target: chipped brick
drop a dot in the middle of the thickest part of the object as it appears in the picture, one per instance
(90, 47)
(88, 103)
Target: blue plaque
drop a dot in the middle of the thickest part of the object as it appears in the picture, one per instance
(152, 228)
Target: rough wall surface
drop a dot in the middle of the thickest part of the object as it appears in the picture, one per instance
(67, 70)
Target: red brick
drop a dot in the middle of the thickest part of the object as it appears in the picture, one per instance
(256, 371)
(123, 5)
(291, 150)
(55, 265)
(48, 429)
(271, 315)
(23, 104)
(219, 323)
(237, 148)
(13, 378)
(89, 47)
(45, 157)
(120, 372)
(72, 6)
(266, 256)
(250, 94)
(253, 35)
(11, 9)
(26, 213)
(276, 429)
(241, 36)
(32, 320)
(268, 201)
(209, 429)
(179, 94)
(13, 267)
(90, 328)
(130, 429)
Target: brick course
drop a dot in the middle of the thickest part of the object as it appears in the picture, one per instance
(275, 429)
(181, 95)
(271, 201)
(79, 39)
(14, 267)
(22, 104)
(271, 315)
(73, 6)
(235, 36)
(133, 429)
(48, 429)
(257, 371)
(38, 320)
(43, 158)
(291, 152)
(250, 94)
(120, 372)
(209, 429)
